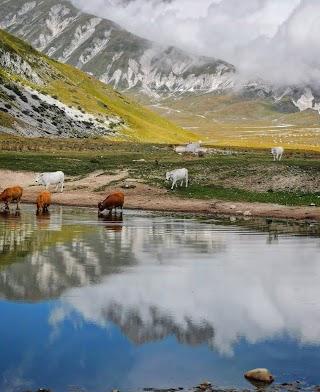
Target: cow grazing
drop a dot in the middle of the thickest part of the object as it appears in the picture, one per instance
(277, 153)
(177, 175)
(43, 201)
(48, 178)
(112, 202)
(11, 194)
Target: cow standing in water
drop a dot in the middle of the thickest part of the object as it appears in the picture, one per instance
(43, 201)
(11, 194)
(112, 202)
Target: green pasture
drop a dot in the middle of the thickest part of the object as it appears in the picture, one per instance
(225, 174)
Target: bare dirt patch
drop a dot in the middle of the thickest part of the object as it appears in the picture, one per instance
(80, 192)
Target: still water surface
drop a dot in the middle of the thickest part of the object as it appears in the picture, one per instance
(155, 301)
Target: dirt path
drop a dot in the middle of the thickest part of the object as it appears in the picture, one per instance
(79, 192)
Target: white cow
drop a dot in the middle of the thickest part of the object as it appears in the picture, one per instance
(176, 175)
(192, 147)
(277, 153)
(48, 178)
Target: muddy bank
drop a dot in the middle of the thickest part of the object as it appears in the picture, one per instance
(83, 192)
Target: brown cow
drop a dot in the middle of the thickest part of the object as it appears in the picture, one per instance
(112, 202)
(11, 194)
(43, 201)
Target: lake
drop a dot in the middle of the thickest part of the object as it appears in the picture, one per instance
(152, 300)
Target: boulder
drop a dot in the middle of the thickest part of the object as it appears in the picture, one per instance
(259, 375)
(204, 385)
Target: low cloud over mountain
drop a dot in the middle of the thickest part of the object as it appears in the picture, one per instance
(274, 40)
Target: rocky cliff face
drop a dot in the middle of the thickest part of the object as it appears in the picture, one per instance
(35, 112)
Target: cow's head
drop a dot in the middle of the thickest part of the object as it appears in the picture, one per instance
(101, 206)
(39, 177)
(40, 206)
(169, 176)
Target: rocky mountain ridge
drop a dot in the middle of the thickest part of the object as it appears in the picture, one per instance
(108, 52)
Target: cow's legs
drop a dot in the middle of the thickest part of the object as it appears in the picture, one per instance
(7, 203)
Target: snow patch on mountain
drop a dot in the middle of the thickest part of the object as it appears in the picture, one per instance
(8, 21)
(287, 91)
(98, 44)
(105, 76)
(305, 101)
(26, 8)
(11, 19)
(56, 24)
(81, 35)
(145, 74)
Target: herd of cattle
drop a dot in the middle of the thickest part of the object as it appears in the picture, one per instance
(43, 200)
(111, 202)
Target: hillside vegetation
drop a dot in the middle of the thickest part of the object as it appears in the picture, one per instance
(42, 97)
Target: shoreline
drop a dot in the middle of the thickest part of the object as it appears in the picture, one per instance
(140, 196)
(212, 207)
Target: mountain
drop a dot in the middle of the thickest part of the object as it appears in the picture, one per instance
(200, 94)
(41, 97)
(108, 52)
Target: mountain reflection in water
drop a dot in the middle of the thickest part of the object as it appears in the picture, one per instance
(203, 284)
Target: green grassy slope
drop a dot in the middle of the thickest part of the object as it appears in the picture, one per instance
(77, 89)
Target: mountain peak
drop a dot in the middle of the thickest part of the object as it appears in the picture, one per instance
(110, 53)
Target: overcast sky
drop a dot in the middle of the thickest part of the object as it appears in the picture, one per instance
(278, 40)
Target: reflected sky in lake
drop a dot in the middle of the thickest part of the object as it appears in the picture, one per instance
(149, 300)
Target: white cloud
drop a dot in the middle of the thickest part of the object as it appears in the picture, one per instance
(277, 40)
(254, 296)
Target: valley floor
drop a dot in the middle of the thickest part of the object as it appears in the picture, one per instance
(138, 195)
